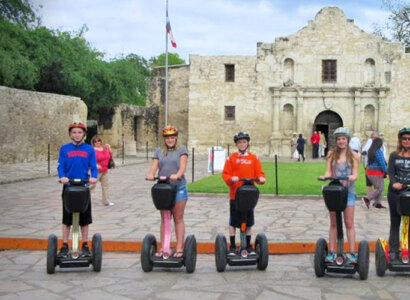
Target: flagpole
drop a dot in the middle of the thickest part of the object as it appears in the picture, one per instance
(166, 71)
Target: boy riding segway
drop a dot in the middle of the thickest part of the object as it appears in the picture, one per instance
(75, 161)
(240, 172)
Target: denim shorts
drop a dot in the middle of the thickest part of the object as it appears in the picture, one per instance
(182, 193)
(351, 199)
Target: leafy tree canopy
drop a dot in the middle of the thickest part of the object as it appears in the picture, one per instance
(398, 25)
(173, 59)
(18, 11)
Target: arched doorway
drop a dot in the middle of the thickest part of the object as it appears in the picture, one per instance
(327, 121)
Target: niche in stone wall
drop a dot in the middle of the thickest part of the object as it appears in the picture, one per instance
(369, 71)
(288, 72)
(287, 119)
(369, 118)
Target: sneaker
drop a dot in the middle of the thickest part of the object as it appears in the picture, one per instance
(232, 251)
(63, 251)
(250, 251)
(379, 205)
(366, 202)
(352, 258)
(109, 204)
(85, 250)
(330, 257)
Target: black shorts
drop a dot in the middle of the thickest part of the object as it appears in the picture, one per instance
(368, 182)
(235, 216)
(85, 217)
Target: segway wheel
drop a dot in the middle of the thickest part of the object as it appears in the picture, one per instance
(261, 247)
(320, 255)
(149, 247)
(381, 260)
(190, 253)
(363, 260)
(220, 252)
(51, 253)
(97, 252)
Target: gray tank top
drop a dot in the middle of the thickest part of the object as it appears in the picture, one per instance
(170, 163)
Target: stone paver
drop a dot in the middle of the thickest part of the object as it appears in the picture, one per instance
(33, 209)
(23, 276)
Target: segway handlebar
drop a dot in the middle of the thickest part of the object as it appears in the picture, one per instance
(162, 178)
(77, 181)
(248, 179)
(332, 178)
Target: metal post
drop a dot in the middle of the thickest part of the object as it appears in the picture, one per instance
(212, 160)
(147, 149)
(193, 163)
(276, 174)
(228, 150)
(123, 151)
(48, 159)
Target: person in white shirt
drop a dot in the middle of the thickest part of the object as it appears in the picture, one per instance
(354, 143)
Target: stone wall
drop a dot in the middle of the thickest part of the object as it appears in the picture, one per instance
(129, 126)
(281, 90)
(178, 93)
(32, 120)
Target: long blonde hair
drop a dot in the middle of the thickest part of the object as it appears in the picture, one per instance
(336, 152)
(165, 149)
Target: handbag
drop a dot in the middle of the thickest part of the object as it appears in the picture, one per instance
(296, 154)
(111, 163)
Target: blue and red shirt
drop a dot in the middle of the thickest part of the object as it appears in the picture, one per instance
(75, 161)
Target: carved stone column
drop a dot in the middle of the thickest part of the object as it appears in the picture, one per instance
(299, 112)
(356, 119)
(276, 113)
(381, 122)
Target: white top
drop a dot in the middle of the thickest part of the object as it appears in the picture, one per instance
(355, 144)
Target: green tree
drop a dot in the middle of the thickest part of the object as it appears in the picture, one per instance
(173, 59)
(19, 12)
(398, 25)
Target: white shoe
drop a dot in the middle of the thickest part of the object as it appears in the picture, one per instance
(109, 204)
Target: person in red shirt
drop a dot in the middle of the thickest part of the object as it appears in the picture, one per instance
(315, 139)
(241, 164)
(103, 154)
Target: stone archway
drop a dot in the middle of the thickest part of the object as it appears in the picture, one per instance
(327, 121)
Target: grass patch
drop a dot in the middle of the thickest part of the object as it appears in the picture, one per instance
(294, 179)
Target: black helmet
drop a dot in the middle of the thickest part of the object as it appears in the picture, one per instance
(403, 131)
(241, 135)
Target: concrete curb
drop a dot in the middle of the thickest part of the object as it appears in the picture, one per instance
(129, 246)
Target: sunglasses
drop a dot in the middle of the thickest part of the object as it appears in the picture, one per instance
(97, 141)
(405, 138)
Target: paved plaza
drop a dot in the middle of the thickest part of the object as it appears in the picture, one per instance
(32, 209)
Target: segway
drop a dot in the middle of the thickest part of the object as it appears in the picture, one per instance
(163, 195)
(76, 201)
(335, 196)
(246, 199)
(402, 264)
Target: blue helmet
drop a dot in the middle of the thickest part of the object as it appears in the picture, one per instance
(342, 131)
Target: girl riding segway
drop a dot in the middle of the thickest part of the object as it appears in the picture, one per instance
(343, 163)
(171, 160)
(399, 173)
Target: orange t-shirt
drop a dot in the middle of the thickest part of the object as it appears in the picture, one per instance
(246, 165)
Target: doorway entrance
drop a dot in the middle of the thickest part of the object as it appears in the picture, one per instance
(327, 122)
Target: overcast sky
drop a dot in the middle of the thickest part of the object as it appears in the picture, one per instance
(206, 27)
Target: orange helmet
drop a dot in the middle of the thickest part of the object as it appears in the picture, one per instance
(170, 130)
(77, 125)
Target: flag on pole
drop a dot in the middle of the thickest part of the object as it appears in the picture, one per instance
(169, 31)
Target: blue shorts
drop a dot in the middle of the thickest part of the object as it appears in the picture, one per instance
(182, 193)
(351, 199)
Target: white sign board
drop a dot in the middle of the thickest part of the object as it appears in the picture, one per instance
(217, 159)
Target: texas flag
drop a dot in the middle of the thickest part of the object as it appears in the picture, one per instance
(169, 31)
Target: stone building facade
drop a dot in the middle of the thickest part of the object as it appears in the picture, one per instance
(30, 121)
(328, 74)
